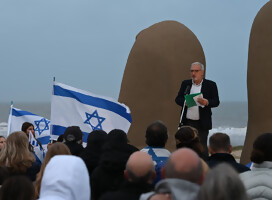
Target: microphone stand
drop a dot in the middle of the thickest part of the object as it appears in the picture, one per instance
(187, 91)
(181, 116)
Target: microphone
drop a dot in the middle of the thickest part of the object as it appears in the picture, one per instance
(187, 90)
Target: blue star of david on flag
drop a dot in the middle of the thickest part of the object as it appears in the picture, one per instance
(42, 125)
(95, 124)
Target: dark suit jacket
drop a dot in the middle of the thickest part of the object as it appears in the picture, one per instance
(209, 91)
(218, 158)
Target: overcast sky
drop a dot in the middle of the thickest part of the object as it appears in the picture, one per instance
(86, 43)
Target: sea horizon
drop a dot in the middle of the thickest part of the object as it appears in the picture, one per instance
(227, 114)
(229, 117)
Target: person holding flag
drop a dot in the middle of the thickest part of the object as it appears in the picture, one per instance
(27, 127)
(34, 145)
(36, 128)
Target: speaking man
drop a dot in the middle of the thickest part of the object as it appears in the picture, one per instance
(199, 116)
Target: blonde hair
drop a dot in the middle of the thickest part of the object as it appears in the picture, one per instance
(15, 155)
(55, 149)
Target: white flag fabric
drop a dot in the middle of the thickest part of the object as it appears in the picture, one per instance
(41, 125)
(74, 107)
(36, 147)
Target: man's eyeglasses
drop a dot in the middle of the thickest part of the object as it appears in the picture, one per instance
(195, 70)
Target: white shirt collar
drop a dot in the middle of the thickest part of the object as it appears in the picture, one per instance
(197, 85)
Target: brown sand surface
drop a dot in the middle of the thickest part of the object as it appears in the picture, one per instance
(237, 154)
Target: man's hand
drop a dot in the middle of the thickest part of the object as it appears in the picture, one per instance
(203, 101)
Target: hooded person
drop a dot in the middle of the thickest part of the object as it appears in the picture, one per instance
(73, 139)
(65, 178)
(109, 174)
(139, 174)
(91, 154)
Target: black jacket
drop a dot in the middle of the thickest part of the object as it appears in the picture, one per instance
(129, 190)
(218, 158)
(75, 148)
(109, 174)
(210, 92)
(91, 158)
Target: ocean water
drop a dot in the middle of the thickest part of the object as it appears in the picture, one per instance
(230, 118)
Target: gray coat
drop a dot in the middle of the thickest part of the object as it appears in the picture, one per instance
(258, 181)
(178, 188)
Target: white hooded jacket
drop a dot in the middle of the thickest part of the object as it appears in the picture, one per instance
(258, 181)
(65, 178)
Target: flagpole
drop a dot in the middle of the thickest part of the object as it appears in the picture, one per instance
(9, 119)
(54, 79)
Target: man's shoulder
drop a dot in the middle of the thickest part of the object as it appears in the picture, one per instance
(207, 81)
(187, 81)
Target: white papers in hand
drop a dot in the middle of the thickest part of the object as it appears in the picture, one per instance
(196, 97)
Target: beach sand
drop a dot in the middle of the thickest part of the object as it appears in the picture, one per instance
(236, 152)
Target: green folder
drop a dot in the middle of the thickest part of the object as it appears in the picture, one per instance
(189, 99)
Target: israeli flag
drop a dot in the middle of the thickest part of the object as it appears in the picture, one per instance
(39, 152)
(41, 125)
(74, 107)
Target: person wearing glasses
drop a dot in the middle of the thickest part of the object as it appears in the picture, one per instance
(199, 116)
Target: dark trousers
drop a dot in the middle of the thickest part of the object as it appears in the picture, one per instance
(203, 135)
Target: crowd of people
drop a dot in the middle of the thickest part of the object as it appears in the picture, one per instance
(110, 168)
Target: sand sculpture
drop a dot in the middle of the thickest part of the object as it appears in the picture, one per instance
(258, 79)
(157, 64)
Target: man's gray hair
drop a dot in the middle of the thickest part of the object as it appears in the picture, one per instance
(225, 181)
(200, 64)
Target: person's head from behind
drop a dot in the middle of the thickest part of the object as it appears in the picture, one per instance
(140, 168)
(187, 136)
(96, 138)
(156, 134)
(15, 153)
(27, 127)
(17, 188)
(55, 149)
(117, 136)
(184, 164)
(60, 138)
(262, 149)
(219, 143)
(16, 141)
(65, 178)
(222, 182)
(2, 142)
(73, 134)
